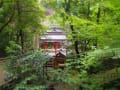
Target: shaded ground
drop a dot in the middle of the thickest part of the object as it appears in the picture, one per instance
(1, 72)
(107, 76)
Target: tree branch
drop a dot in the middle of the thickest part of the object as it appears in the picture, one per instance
(10, 19)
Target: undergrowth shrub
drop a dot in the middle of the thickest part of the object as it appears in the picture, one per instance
(26, 71)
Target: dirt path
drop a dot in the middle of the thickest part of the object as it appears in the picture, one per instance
(1, 73)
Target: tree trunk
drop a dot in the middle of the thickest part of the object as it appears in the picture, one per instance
(9, 20)
(76, 41)
(22, 40)
(21, 33)
(88, 14)
(98, 15)
(67, 6)
(76, 47)
(97, 20)
(1, 3)
(67, 10)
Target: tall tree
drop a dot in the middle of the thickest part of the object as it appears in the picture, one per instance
(19, 21)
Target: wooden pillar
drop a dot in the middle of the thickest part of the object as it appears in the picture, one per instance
(36, 42)
(44, 44)
(56, 45)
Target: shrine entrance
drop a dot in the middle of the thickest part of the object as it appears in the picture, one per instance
(51, 46)
(53, 42)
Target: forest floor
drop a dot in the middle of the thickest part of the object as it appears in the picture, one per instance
(1, 72)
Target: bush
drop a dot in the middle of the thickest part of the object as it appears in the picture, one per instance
(26, 71)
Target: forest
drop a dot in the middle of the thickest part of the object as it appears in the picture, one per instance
(91, 26)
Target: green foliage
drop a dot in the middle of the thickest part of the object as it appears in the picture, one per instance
(27, 71)
(93, 23)
(13, 49)
(83, 15)
(19, 22)
(100, 60)
(81, 71)
(93, 85)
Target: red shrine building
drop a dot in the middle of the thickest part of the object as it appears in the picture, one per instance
(53, 42)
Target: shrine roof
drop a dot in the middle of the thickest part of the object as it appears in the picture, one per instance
(55, 37)
(55, 34)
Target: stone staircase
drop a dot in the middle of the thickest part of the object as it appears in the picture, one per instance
(50, 63)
